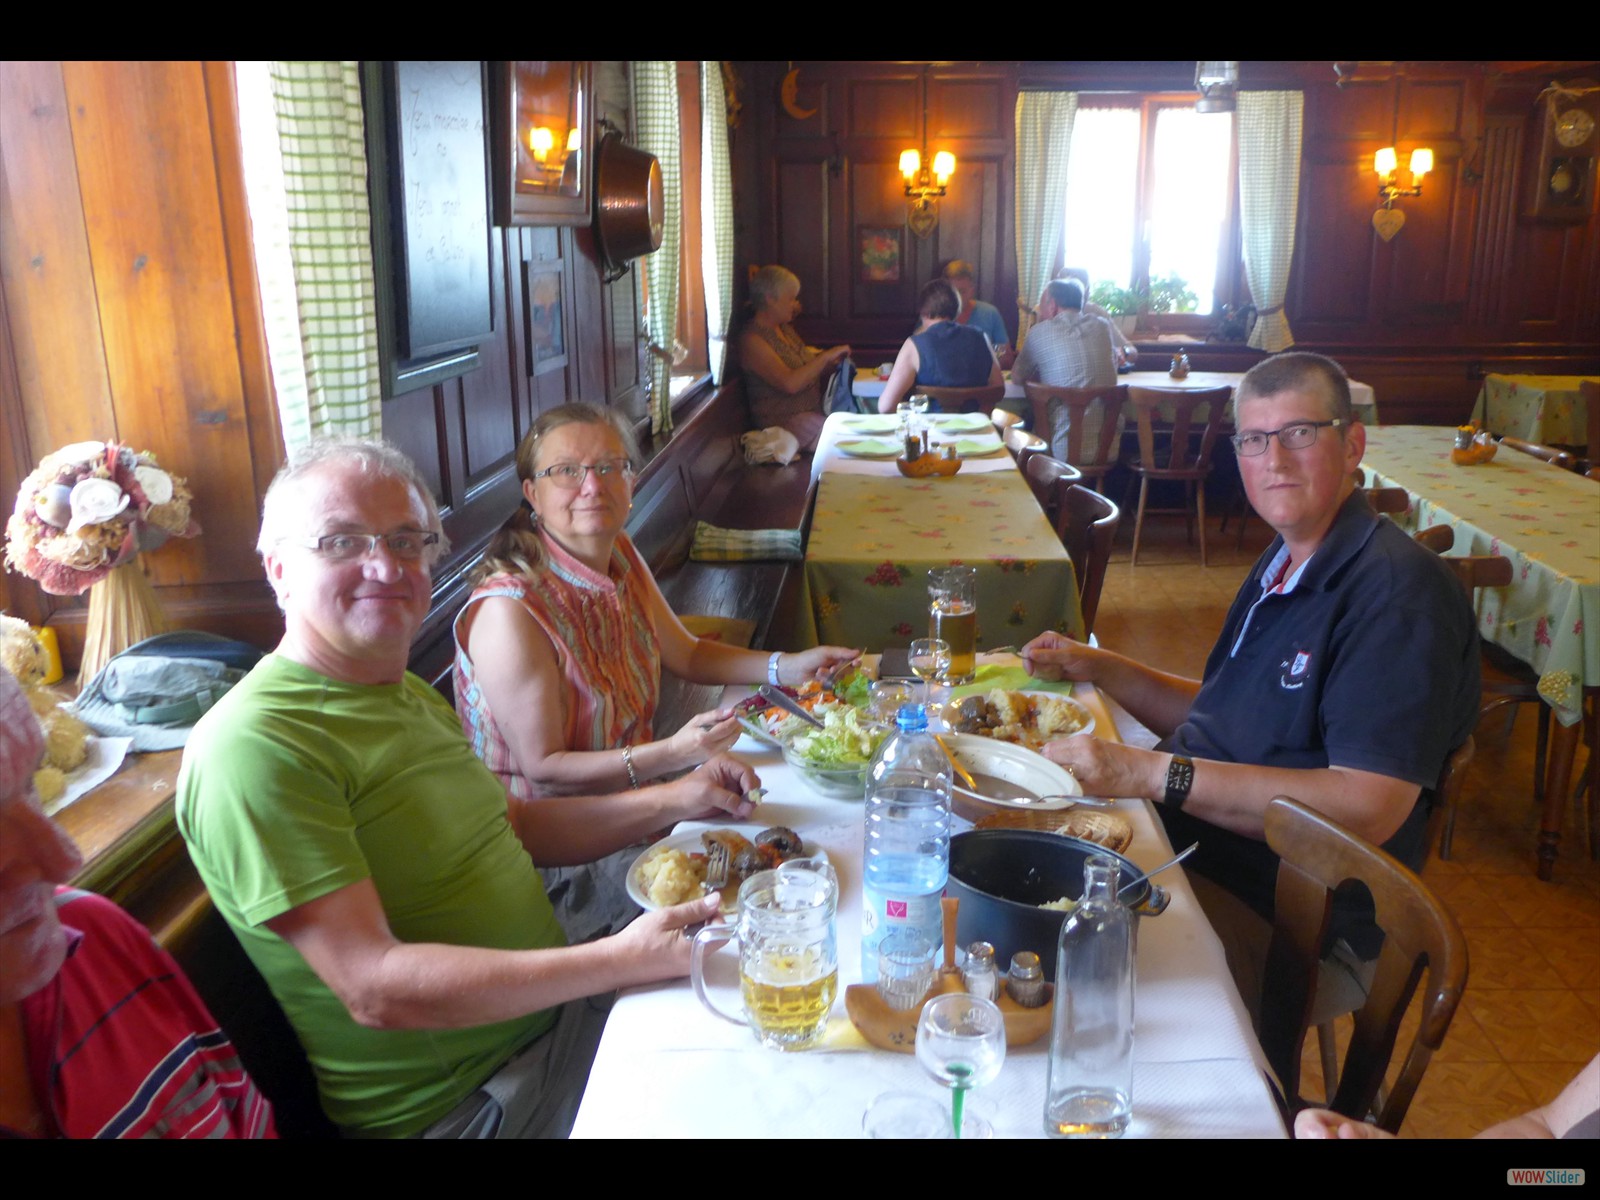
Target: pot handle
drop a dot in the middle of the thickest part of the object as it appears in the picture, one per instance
(1154, 904)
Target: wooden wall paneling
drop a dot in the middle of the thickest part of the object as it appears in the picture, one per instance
(16, 462)
(886, 103)
(45, 266)
(876, 200)
(802, 195)
(591, 333)
(1490, 303)
(546, 323)
(412, 422)
(152, 213)
(255, 372)
(489, 395)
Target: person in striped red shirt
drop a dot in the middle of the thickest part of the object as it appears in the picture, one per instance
(101, 1034)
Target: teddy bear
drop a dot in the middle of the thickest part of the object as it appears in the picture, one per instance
(65, 737)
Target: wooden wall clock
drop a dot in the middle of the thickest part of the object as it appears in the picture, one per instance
(1562, 184)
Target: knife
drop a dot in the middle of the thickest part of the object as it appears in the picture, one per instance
(773, 695)
(961, 772)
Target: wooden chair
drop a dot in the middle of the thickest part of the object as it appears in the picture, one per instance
(964, 400)
(1391, 500)
(1589, 389)
(1420, 938)
(1549, 454)
(1043, 473)
(1438, 538)
(1099, 455)
(1507, 682)
(1167, 453)
(1022, 444)
(1086, 523)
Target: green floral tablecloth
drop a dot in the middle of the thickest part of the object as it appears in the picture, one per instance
(1535, 408)
(873, 539)
(1547, 521)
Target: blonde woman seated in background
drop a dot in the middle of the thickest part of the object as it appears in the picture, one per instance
(559, 649)
(941, 353)
(784, 378)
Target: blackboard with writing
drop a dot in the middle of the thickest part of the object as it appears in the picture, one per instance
(429, 187)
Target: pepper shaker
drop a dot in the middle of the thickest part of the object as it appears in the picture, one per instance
(1026, 980)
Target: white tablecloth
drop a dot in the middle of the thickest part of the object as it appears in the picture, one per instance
(842, 426)
(667, 1068)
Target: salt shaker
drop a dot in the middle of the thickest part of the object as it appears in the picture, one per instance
(978, 975)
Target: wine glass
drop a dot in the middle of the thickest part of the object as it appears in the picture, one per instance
(961, 1042)
(929, 660)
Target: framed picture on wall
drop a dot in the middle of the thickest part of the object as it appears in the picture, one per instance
(880, 251)
(542, 137)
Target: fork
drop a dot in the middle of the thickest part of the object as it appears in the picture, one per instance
(716, 879)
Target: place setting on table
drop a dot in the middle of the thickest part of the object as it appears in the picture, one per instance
(840, 996)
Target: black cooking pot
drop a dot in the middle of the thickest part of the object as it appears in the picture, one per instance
(1001, 876)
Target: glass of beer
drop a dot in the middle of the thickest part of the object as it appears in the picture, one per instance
(953, 617)
(788, 953)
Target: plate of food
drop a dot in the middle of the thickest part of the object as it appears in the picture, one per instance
(869, 447)
(1027, 719)
(1012, 776)
(673, 870)
(772, 726)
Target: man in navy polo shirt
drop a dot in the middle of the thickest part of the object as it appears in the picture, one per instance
(1346, 672)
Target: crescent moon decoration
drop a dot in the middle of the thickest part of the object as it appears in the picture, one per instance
(790, 93)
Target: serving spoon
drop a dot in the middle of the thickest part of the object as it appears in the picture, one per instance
(1171, 862)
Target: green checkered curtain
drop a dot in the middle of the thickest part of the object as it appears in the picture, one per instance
(306, 183)
(1269, 193)
(1044, 137)
(716, 215)
(655, 125)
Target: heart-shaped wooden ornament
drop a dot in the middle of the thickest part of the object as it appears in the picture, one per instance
(1388, 221)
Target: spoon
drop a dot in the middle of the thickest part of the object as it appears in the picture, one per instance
(1172, 862)
(1091, 801)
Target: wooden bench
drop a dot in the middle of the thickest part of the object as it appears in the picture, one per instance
(701, 475)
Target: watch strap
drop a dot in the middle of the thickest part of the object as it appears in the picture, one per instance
(1180, 778)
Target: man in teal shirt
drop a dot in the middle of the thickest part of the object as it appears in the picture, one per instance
(369, 863)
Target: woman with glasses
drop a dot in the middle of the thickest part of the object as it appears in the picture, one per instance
(560, 647)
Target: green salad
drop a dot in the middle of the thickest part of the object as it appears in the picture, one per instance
(843, 742)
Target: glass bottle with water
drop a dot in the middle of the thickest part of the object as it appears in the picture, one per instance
(1090, 1089)
(907, 855)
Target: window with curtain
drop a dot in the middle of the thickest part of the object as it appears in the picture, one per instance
(1151, 187)
(691, 360)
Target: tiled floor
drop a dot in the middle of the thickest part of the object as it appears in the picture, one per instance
(1531, 1015)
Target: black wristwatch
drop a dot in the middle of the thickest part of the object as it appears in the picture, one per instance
(1180, 778)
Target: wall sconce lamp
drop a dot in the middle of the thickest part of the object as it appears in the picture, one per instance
(1217, 83)
(1389, 219)
(924, 186)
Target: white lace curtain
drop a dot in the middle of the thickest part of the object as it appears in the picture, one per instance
(655, 124)
(1044, 138)
(716, 215)
(305, 169)
(1269, 125)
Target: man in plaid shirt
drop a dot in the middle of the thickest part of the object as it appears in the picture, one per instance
(1065, 348)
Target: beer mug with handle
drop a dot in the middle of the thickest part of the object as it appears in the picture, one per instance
(788, 953)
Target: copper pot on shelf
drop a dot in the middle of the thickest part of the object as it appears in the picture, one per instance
(630, 207)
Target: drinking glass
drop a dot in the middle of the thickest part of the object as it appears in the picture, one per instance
(888, 697)
(961, 1042)
(953, 617)
(929, 659)
(788, 953)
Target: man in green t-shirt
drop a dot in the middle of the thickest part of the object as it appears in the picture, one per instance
(370, 864)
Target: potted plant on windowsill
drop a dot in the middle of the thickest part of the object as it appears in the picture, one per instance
(1170, 293)
(1122, 304)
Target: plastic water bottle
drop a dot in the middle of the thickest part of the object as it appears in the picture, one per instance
(907, 855)
(1090, 1089)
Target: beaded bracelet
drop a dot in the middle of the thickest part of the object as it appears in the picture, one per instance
(772, 667)
(627, 761)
